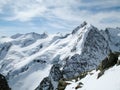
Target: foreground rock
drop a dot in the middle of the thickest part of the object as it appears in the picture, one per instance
(51, 82)
(108, 62)
(3, 83)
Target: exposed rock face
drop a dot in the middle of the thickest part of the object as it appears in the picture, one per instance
(95, 49)
(78, 27)
(73, 66)
(108, 62)
(45, 84)
(51, 82)
(55, 73)
(3, 83)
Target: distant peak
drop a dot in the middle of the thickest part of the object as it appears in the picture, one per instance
(45, 33)
(80, 26)
(83, 24)
(16, 36)
(32, 33)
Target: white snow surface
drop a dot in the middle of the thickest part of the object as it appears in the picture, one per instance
(109, 81)
(29, 81)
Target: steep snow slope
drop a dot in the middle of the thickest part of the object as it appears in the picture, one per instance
(109, 81)
(25, 57)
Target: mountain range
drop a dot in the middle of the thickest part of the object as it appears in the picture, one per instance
(35, 61)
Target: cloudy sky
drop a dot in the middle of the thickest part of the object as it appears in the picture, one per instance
(21, 16)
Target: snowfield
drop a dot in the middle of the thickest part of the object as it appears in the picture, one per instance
(29, 81)
(109, 81)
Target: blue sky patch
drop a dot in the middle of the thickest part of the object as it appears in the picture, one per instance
(17, 16)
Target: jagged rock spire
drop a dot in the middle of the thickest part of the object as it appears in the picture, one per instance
(83, 24)
(78, 27)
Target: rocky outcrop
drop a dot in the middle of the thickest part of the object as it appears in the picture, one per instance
(74, 66)
(3, 83)
(45, 84)
(51, 82)
(55, 73)
(94, 50)
(78, 27)
(108, 62)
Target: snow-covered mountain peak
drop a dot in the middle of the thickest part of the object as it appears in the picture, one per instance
(35, 35)
(30, 35)
(16, 36)
(23, 56)
(82, 27)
